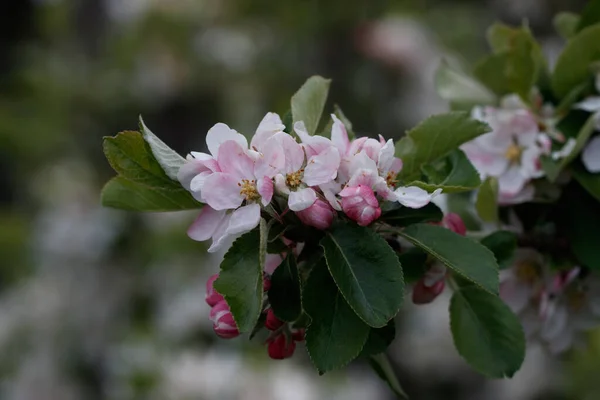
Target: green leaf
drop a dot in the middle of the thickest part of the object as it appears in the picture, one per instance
(241, 278)
(589, 181)
(434, 138)
(128, 195)
(573, 65)
(458, 88)
(397, 215)
(452, 174)
(383, 369)
(366, 270)
(379, 339)
(168, 159)
(582, 222)
(309, 101)
(504, 245)
(486, 333)
(463, 255)
(590, 15)
(284, 294)
(413, 263)
(335, 335)
(142, 184)
(487, 200)
(566, 24)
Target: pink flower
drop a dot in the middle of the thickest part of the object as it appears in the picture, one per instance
(360, 204)
(212, 296)
(454, 222)
(319, 215)
(272, 322)
(424, 295)
(222, 319)
(511, 151)
(214, 224)
(281, 347)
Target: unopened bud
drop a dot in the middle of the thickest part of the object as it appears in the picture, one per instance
(272, 322)
(455, 223)
(212, 296)
(298, 335)
(223, 322)
(425, 295)
(360, 204)
(319, 215)
(281, 347)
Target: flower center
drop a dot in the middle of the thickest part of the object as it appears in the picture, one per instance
(391, 179)
(248, 189)
(294, 179)
(513, 153)
(527, 272)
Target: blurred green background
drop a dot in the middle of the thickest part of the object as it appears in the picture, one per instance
(101, 304)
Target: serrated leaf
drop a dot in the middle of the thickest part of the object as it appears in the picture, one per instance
(284, 294)
(169, 160)
(573, 65)
(241, 278)
(486, 333)
(434, 138)
(487, 200)
(335, 335)
(379, 339)
(463, 255)
(452, 174)
(366, 270)
(309, 101)
(590, 15)
(383, 369)
(396, 214)
(504, 245)
(566, 24)
(124, 194)
(458, 88)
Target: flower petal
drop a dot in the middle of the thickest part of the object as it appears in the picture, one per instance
(322, 168)
(292, 151)
(244, 219)
(412, 196)
(269, 126)
(234, 160)
(302, 199)
(265, 188)
(222, 191)
(515, 294)
(206, 224)
(591, 155)
(220, 239)
(271, 161)
(339, 135)
(591, 104)
(512, 181)
(221, 133)
(385, 158)
(312, 144)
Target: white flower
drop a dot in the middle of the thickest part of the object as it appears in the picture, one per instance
(590, 157)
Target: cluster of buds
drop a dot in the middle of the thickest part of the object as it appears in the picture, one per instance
(316, 179)
(282, 339)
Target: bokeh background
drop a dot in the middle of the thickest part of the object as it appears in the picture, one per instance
(102, 304)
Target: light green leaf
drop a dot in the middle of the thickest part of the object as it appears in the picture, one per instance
(463, 255)
(486, 333)
(395, 214)
(589, 181)
(128, 195)
(504, 245)
(284, 294)
(487, 200)
(458, 88)
(366, 270)
(590, 15)
(382, 367)
(573, 65)
(452, 174)
(309, 101)
(434, 138)
(566, 24)
(241, 278)
(335, 335)
(168, 159)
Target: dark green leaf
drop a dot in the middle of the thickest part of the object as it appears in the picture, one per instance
(413, 264)
(503, 244)
(487, 200)
(260, 325)
(589, 181)
(486, 333)
(566, 24)
(590, 15)
(288, 121)
(452, 174)
(573, 65)
(458, 88)
(383, 369)
(366, 270)
(397, 215)
(284, 294)
(379, 339)
(128, 195)
(241, 278)
(168, 159)
(434, 138)
(309, 101)
(335, 335)
(463, 255)
(582, 222)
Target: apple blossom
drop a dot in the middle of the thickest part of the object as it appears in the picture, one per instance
(222, 319)
(422, 294)
(319, 215)
(212, 296)
(281, 347)
(360, 204)
(272, 323)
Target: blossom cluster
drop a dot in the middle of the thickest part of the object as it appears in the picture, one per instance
(315, 178)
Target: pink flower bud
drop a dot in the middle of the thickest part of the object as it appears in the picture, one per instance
(298, 335)
(424, 295)
(455, 223)
(212, 296)
(272, 322)
(223, 323)
(266, 282)
(281, 347)
(360, 204)
(319, 215)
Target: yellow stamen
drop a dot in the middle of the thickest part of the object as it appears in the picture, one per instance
(248, 190)
(513, 153)
(294, 179)
(391, 179)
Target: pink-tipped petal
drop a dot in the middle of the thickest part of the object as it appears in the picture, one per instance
(301, 199)
(339, 135)
(265, 188)
(322, 168)
(206, 224)
(244, 219)
(222, 191)
(269, 126)
(234, 159)
(221, 133)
